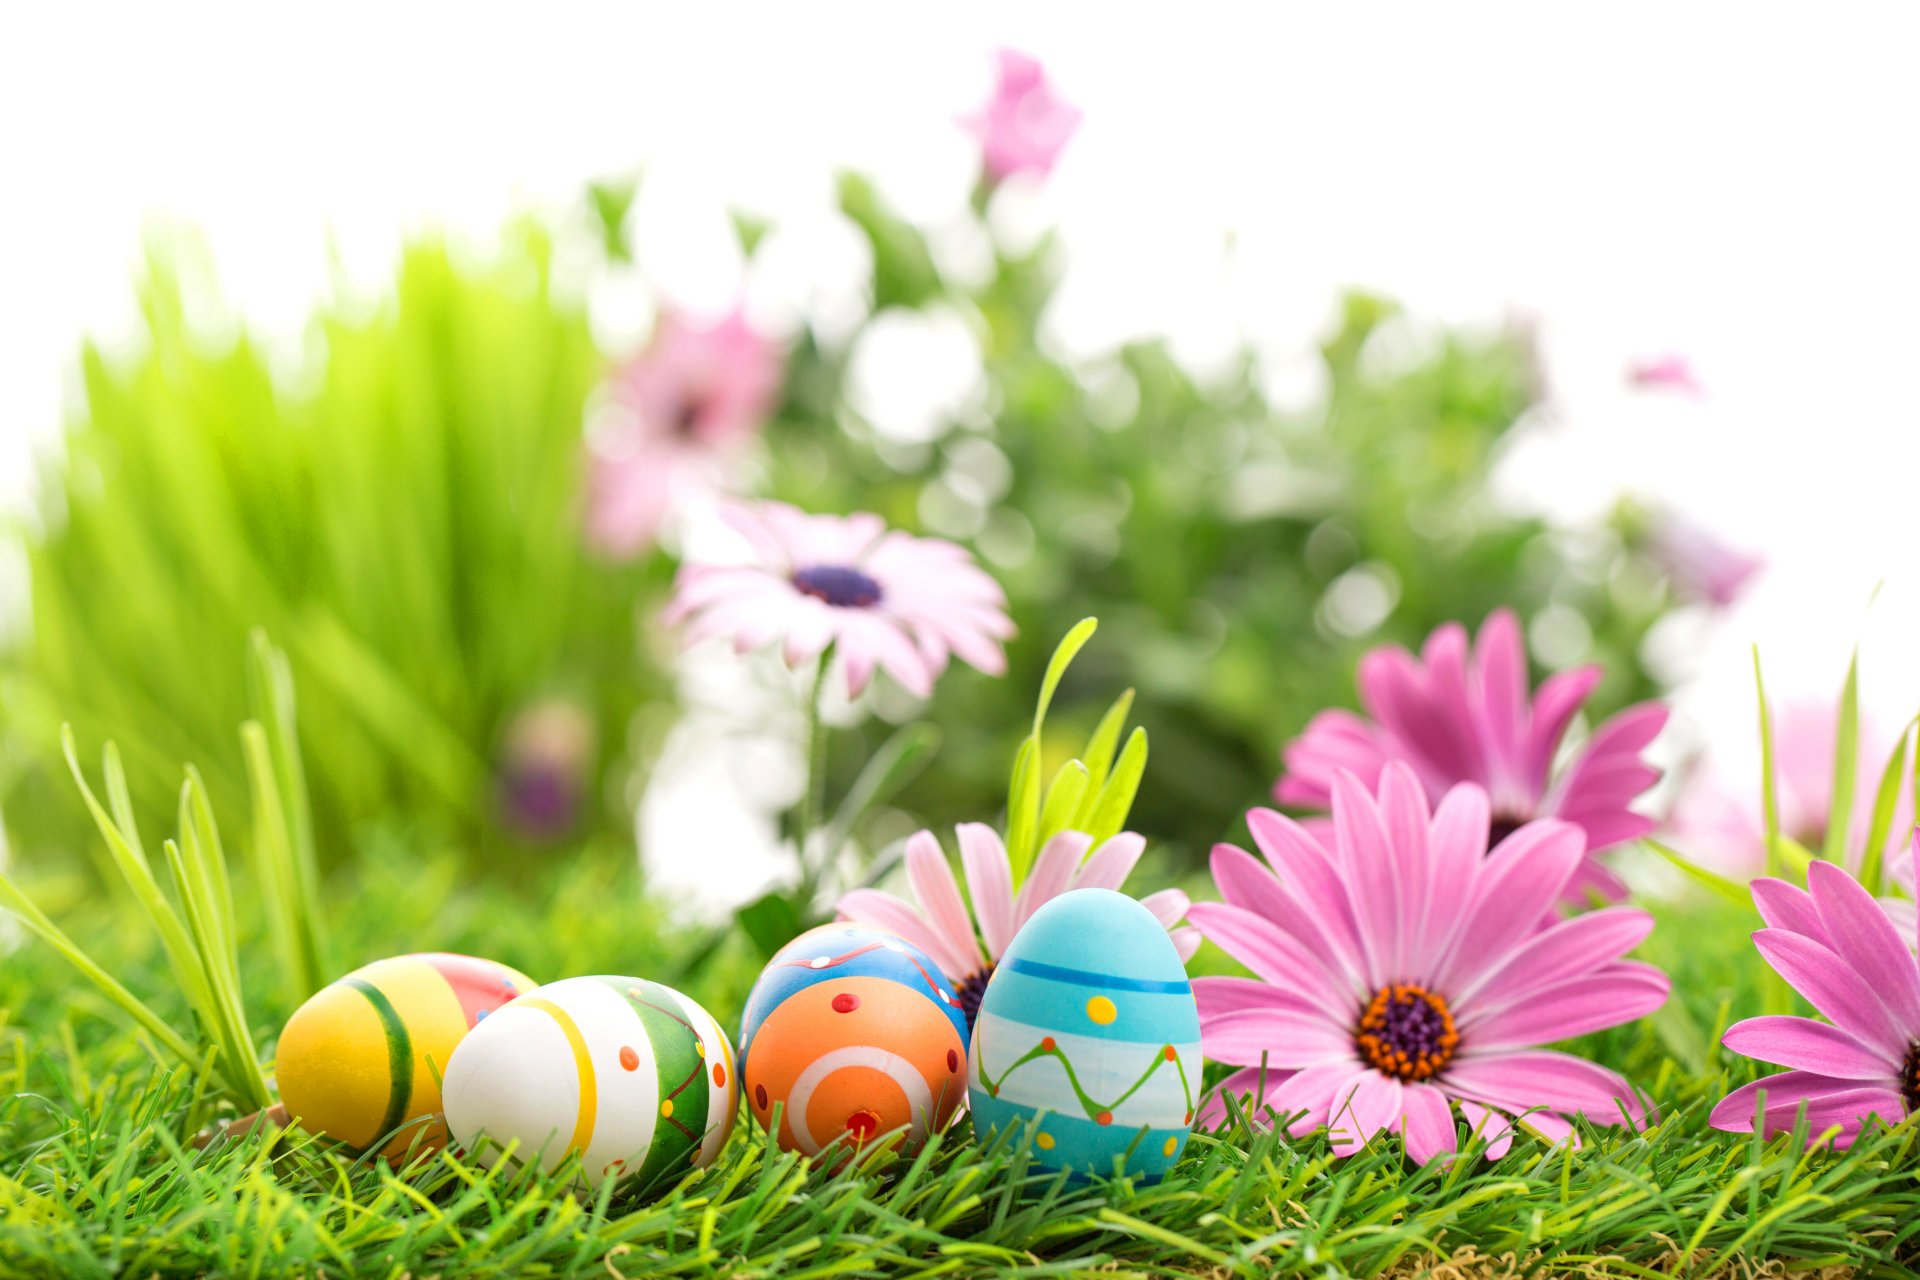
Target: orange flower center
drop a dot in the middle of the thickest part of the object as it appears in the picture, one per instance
(1407, 1032)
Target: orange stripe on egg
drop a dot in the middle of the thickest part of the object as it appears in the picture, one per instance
(582, 1065)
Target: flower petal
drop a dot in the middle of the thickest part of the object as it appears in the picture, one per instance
(1865, 938)
(939, 895)
(1278, 1037)
(1109, 865)
(1372, 1105)
(1831, 987)
(1273, 956)
(884, 911)
(1051, 873)
(1806, 1045)
(1486, 1125)
(990, 883)
(1619, 993)
(1522, 1081)
(1427, 1127)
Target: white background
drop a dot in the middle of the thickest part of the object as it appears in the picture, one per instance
(1735, 183)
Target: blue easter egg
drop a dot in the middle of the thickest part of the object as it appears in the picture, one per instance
(1089, 1022)
(846, 951)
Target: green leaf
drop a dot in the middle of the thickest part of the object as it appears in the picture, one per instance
(1106, 738)
(1023, 792)
(1116, 797)
(1023, 810)
(1063, 657)
(1719, 885)
(1845, 764)
(1885, 800)
(1066, 800)
(770, 921)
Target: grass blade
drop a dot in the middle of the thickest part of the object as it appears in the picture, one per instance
(1846, 751)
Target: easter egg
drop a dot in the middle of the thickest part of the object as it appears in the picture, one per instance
(633, 1077)
(365, 1055)
(845, 951)
(1090, 1022)
(854, 1059)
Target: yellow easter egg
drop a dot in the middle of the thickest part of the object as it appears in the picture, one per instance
(362, 1060)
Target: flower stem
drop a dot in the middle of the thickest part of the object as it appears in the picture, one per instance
(813, 795)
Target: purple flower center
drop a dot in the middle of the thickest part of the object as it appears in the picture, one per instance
(1502, 826)
(842, 586)
(967, 992)
(1910, 1078)
(1407, 1032)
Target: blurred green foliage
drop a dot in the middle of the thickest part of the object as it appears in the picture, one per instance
(399, 512)
(1241, 557)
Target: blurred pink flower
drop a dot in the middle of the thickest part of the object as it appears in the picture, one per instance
(880, 598)
(1721, 824)
(1666, 373)
(1462, 712)
(1835, 947)
(1025, 125)
(1698, 564)
(941, 927)
(684, 407)
(1400, 972)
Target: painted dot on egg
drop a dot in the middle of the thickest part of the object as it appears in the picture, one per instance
(863, 1124)
(719, 1075)
(629, 1060)
(1102, 1011)
(666, 1107)
(1105, 1117)
(846, 1002)
(700, 1048)
(1043, 1140)
(953, 1060)
(1169, 1054)
(821, 962)
(1048, 1044)
(760, 1096)
(1170, 1146)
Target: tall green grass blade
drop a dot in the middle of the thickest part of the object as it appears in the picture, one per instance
(1717, 884)
(1106, 739)
(1023, 793)
(1066, 798)
(1846, 752)
(1886, 799)
(1110, 811)
(16, 900)
(1769, 782)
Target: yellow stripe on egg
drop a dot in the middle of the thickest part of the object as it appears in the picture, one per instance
(583, 1065)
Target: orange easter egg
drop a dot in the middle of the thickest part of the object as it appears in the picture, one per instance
(363, 1057)
(855, 1059)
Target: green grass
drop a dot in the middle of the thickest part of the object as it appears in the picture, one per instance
(97, 1177)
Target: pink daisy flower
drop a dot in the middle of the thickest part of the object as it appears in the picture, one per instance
(1834, 945)
(1461, 712)
(683, 408)
(1401, 974)
(1025, 125)
(881, 598)
(941, 926)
